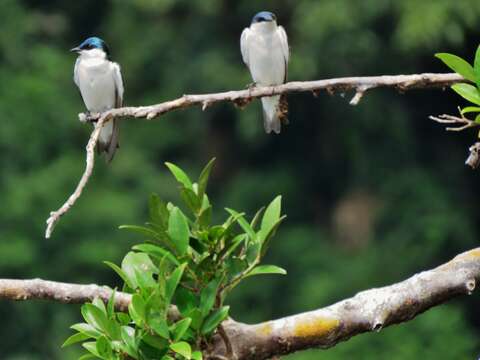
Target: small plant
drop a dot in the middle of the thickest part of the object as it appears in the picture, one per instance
(470, 92)
(186, 261)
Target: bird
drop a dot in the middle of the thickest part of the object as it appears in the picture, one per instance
(99, 80)
(265, 51)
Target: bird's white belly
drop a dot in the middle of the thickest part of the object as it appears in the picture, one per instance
(97, 86)
(267, 63)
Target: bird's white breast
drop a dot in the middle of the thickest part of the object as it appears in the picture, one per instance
(96, 83)
(266, 61)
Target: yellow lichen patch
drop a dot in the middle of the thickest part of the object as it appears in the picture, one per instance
(265, 329)
(471, 255)
(319, 326)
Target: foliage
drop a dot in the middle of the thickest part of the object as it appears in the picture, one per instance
(471, 73)
(186, 261)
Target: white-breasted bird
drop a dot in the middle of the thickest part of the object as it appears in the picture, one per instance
(265, 51)
(100, 83)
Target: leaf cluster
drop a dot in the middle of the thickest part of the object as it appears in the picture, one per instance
(470, 92)
(185, 261)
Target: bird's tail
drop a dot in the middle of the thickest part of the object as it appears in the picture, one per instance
(108, 140)
(275, 111)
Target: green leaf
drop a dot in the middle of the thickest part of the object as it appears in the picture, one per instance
(123, 319)
(205, 216)
(180, 327)
(236, 242)
(104, 348)
(477, 119)
(111, 305)
(167, 357)
(243, 223)
(468, 92)
(136, 309)
(253, 253)
(476, 67)
(470, 109)
(196, 317)
(156, 342)
(95, 317)
(157, 252)
(180, 175)
(203, 179)
(183, 348)
(197, 355)
(267, 269)
(256, 218)
(207, 296)
(185, 300)
(178, 230)
(160, 326)
(92, 348)
(458, 65)
(120, 273)
(145, 231)
(75, 338)
(128, 337)
(191, 200)
(173, 281)
(87, 330)
(214, 320)
(100, 304)
(134, 263)
(158, 212)
(87, 357)
(272, 215)
(265, 237)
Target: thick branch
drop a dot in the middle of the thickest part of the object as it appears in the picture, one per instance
(370, 310)
(241, 98)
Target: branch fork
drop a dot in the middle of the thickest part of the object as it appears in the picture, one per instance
(241, 98)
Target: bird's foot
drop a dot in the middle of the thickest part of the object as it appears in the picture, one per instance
(251, 86)
(88, 117)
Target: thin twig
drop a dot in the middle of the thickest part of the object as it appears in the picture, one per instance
(90, 161)
(241, 98)
(451, 119)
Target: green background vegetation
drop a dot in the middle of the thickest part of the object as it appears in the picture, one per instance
(373, 193)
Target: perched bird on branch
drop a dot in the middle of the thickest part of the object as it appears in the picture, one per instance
(265, 51)
(100, 83)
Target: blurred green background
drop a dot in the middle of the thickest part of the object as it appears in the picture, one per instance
(373, 193)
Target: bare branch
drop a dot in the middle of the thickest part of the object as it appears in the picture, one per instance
(370, 310)
(241, 98)
(38, 289)
(462, 121)
(92, 142)
(357, 84)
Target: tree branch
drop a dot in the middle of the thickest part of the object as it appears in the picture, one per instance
(90, 162)
(241, 98)
(38, 289)
(370, 310)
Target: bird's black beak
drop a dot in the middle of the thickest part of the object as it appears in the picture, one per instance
(75, 49)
